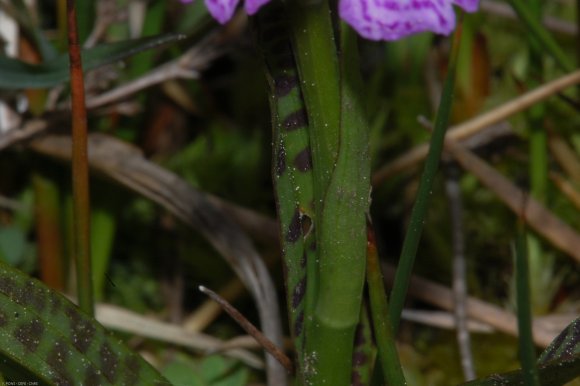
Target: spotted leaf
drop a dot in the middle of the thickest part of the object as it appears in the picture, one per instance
(45, 337)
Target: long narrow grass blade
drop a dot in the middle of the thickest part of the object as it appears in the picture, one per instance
(413, 235)
(540, 264)
(388, 356)
(526, 342)
(365, 351)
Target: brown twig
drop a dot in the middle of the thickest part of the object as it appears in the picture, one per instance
(251, 329)
(567, 189)
(441, 296)
(565, 156)
(472, 126)
(120, 319)
(539, 218)
(459, 270)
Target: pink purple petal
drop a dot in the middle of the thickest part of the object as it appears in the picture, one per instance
(221, 10)
(394, 19)
(252, 6)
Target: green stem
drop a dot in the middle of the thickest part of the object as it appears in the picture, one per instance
(315, 52)
(339, 143)
(419, 212)
(538, 138)
(80, 173)
(539, 264)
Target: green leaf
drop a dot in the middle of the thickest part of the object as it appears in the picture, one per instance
(12, 245)
(15, 74)
(220, 371)
(53, 342)
(555, 373)
(565, 345)
(211, 371)
(558, 364)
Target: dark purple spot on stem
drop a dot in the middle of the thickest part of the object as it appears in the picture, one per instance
(359, 337)
(294, 229)
(295, 120)
(359, 358)
(299, 324)
(303, 160)
(303, 260)
(298, 293)
(283, 84)
(312, 246)
(280, 161)
(307, 225)
(356, 379)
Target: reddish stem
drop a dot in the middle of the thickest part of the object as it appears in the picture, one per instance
(80, 168)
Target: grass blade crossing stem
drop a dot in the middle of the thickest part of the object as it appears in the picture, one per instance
(413, 235)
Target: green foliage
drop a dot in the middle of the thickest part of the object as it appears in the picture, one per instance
(13, 245)
(224, 162)
(18, 75)
(210, 371)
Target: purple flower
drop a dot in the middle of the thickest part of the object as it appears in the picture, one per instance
(373, 19)
(394, 19)
(223, 10)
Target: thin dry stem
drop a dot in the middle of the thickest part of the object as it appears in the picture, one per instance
(459, 270)
(266, 343)
(481, 122)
